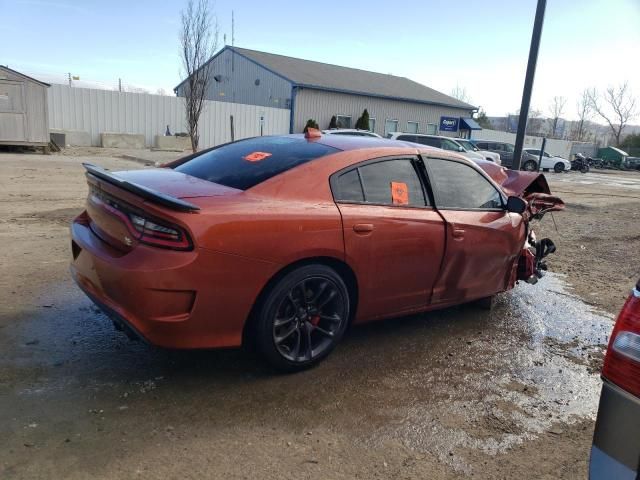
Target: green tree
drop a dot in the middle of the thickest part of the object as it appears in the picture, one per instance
(631, 144)
(311, 123)
(483, 120)
(631, 141)
(333, 123)
(363, 121)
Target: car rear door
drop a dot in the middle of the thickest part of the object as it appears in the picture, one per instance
(483, 239)
(394, 239)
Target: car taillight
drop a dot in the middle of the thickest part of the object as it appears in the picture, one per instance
(145, 229)
(622, 362)
(154, 233)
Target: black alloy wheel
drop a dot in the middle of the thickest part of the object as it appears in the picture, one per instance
(303, 318)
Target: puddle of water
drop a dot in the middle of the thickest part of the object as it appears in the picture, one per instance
(533, 370)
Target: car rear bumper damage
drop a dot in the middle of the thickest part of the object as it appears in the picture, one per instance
(616, 444)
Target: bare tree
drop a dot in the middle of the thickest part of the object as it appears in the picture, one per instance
(584, 110)
(461, 94)
(198, 41)
(556, 109)
(619, 107)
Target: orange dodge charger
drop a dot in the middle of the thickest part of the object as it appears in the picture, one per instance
(285, 241)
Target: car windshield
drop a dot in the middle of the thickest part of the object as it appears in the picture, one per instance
(467, 145)
(246, 163)
(451, 145)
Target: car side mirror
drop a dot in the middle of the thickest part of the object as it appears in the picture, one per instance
(461, 149)
(516, 205)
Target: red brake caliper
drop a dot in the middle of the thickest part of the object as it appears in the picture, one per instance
(315, 320)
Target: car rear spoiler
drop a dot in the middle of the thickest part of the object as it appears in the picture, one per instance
(142, 191)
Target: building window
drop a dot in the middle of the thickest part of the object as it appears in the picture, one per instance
(390, 126)
(412, 127)
(343, 121)
(432, 129)
(372, 124)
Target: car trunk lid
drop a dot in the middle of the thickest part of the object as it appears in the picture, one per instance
(145, 206)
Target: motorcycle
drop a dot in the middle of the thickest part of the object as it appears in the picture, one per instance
(581, 163)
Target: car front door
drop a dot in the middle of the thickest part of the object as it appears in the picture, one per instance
(394, 238)
(483, 239)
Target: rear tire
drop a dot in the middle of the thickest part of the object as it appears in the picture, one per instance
(302, 318)
(530, 166)
(558, 167)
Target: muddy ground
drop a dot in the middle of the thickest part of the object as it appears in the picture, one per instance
(510, 393)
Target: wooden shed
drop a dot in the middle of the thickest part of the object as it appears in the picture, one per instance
(24, 116)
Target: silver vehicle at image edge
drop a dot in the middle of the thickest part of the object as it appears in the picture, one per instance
(615, 453)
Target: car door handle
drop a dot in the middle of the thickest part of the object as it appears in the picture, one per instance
(363, 227)
(457, 232)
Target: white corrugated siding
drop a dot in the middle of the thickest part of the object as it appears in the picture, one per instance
(321, 106)
(99, 111)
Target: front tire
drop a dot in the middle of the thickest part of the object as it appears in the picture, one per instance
(302, 318)
(530, 166)
(558, 167)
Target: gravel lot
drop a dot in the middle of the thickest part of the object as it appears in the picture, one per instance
(510, 393)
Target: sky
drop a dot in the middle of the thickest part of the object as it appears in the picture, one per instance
(481, 46)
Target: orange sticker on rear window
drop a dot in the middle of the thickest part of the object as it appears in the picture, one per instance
(257, 156)
(399, 193)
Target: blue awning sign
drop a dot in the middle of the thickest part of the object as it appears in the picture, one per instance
(449, 124)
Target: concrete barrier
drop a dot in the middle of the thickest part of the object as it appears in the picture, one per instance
(121, 140)
(172, 143)
(74, 138)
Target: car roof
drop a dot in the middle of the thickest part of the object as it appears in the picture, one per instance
(352, 142)
(423, 135)
(489, 141)
(336, 130)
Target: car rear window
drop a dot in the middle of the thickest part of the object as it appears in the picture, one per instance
(246, 163)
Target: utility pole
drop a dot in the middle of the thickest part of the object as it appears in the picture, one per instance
(233, 42)
(528, 83)
(120, 85)
(69, 74)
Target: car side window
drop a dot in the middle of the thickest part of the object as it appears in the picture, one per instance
(482, 146)
(459, 186)
(432, 142)
(407, 138)
(348, 188)
(387, 182)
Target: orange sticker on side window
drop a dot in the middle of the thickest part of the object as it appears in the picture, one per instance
(399, 193)
(256, 156)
